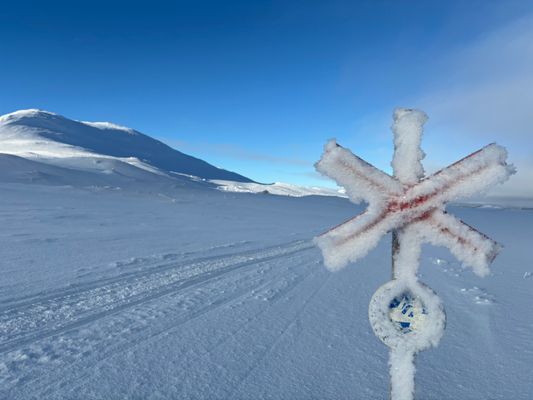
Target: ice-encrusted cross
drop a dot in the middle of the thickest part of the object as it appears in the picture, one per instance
(406, 201)
(412, 207)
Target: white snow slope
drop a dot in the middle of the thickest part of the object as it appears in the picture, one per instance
(277, 188)
(204, 294)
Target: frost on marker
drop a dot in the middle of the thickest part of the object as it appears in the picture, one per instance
(393, 205)
(404, 313)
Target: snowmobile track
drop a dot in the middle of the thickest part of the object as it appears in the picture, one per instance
(107, 352)
(16, 303)
(248, 282)
(72, 308)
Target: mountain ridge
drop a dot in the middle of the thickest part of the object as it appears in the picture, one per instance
(35, 133)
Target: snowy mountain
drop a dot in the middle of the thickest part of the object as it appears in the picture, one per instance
(46, 148)
(42, 147)
(45, 137)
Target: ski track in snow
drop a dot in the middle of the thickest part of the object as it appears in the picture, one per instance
(284, 288)
(57, 326)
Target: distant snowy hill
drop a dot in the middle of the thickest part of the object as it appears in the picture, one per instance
(43, 136)
(42, 147)
(277, 188)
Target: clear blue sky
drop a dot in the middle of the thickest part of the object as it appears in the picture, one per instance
(258, 86)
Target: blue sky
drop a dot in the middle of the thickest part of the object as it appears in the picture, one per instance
(258, 86)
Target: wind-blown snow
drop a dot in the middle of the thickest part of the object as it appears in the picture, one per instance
(110, 126)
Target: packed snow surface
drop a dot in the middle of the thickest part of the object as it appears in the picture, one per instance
(202, 294)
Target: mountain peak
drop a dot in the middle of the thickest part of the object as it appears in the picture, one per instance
(28, 113)
(38, 114)
(37, 133)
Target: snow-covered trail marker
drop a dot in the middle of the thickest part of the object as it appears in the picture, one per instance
(404, 313)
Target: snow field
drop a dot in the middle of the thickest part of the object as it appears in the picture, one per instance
(110, 294)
